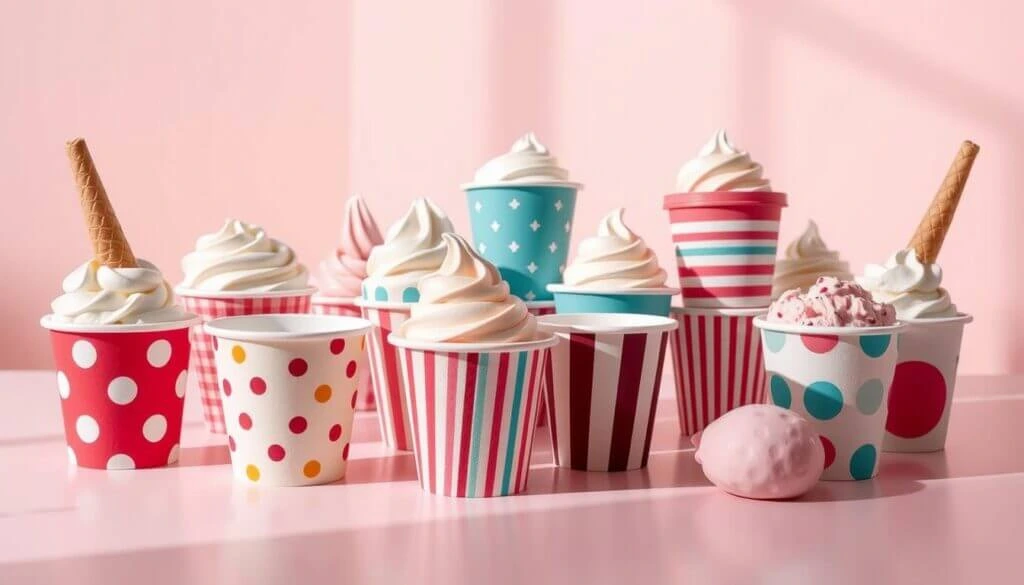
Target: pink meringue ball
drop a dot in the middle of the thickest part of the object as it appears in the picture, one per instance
(761, 451)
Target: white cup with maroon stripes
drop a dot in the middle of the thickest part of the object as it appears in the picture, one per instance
(725, 245)
(602, 386)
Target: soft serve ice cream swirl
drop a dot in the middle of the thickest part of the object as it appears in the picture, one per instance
(528, 162)
(342, 273)
(720, 166)
(105, 295)
(466, 301)
(614, 259)
(910, 286)
(411, 250)
(807, 258)
(241, 257)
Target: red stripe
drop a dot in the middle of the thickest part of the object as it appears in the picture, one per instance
(420, 461)
(738, 270)
(472, 368)
(746, 212)
(429, 358)
(631, 363)
(677, 374)
(530, 417)
(704, 389)
(654, 399)
(549, 400)
(731, 350)
(451, 388)
(581, 385)
(716, 349)
(389, 356)
(716, 236)
(691, 359)
(746, 360)
(499, 407)
(727, 291)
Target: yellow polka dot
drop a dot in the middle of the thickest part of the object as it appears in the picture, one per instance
(238, 354)
(311, 469)
(322, 393)
(252, 472)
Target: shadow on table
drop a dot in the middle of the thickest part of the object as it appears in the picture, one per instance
(395, 467)
(204, 455)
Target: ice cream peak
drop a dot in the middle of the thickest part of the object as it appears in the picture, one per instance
(107, 295)
(807, 258)
(831, 302)
(527, 162)
(241, 257)
(720, 166)
(616, 258)
(909, 285)
(342, 273)
(466, 301)
(412, 249)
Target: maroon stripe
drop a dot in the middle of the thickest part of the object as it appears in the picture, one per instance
(702, 292)
(549, 399)
(691, 365)
(705, 390)
(581, 385)
(631, 363)
(677, 373)
(730, 390)
(496, 419)
(738, 270)
(654, 399)
(430, 388)
(716, 350)
(472, 361)
(726, 235)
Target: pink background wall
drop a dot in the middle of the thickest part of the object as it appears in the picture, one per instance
(275, 111)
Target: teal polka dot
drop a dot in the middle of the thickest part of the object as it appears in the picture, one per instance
(875, 345)
(381, 294)
(411, 295)
(781, 396)
(823, 400)
(774, 341)
(862, 462)
(869, 396)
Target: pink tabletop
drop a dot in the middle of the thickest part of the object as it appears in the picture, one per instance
(952, 517)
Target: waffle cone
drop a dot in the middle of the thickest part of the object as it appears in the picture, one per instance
(931, 232)
(109, 244)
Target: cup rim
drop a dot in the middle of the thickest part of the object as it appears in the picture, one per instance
(679, 200)
(202, 294)
(332, 326)
(364, 303)
(320, 299)
(539, 304)
(964, 318)
(455, 347)
(605, 323)
(553, 183)
(763, 324)
(625, 292)
(721, 312)
(48, 322)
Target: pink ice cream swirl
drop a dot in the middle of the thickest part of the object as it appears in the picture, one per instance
(342, 273)
(831, 302)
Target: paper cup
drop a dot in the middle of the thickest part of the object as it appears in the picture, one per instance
(474, 413)
(213, 305)
(603, 389)
(725, 246)
(122, 390)
(717, 362)
(392, 409)
(524, 230)
(921, 396)
(839, 379)
(540, 309)
(288, 384)
(346, 307)
(637, 301)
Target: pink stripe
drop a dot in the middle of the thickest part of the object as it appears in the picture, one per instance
(431, 391)
(389, 355)
(452, 389)
(421, 462)
(472, 370)
(549, 400)
(496, 420)
(725, 235)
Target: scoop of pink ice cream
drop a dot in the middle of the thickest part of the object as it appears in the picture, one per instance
(342, 273)
(831, 302)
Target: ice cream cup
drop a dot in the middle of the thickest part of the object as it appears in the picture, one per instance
(392, 408)
(216, 305)
(474, 413)
(122, 390)
(524, 230)
(347, 307)
(839, 378)
(717, 364)
(540, 309)
(637, 301)
(725, 246)
(605, 374)
(921, 396)
(288, 384)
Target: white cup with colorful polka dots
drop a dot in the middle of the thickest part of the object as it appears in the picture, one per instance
(839, 379)
(288, 384)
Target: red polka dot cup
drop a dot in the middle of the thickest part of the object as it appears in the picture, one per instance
(346, 307)
(922, 391)
(839, 379)
(122, 391)
(392, 408)
(288, 386)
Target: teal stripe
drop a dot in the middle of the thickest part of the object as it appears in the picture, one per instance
(478, 417)
(513, 427)
(726, 251)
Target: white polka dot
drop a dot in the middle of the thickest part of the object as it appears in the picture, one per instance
(120, 461)
(87, 428)
(179, 384)
(63, 386)
(122, 390)
(72, 460)
(159, 353)
(172, 458)
(83, 353)
(154, 428)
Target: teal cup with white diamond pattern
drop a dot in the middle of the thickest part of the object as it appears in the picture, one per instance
(524, 230)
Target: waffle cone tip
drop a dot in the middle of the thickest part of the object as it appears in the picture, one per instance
(110, 246)
(931, 232)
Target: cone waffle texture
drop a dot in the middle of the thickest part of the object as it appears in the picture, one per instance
(931, 232)
(110, 247)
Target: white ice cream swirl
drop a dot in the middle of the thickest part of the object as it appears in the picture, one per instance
(806, 259)
(910, 286)
(411, 249)
(103, 295)
(241, 257)
(720, 166)
(527, 162)
(616, 258)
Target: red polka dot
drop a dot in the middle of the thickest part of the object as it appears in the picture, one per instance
(297, 367)
(215, 344)
(226, 386)
(820, 343)
(916, 400)
(231, 442)
(257, 385)
(354, 395)
(298, 425)
(344, 452)
(830, 451)
(245, 421)
(350, 371)
(335, 433)
(275, 452)
(337, 346)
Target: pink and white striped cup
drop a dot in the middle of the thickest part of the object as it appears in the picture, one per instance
(392, 410)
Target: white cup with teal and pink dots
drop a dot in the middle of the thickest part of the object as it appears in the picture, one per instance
(288, 385)
(839, 379)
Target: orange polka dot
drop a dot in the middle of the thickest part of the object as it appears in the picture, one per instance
(322, 393)
(238, 354)
(252, 472)
(311, 469)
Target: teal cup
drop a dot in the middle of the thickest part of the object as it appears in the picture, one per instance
(524, 230)
(640, 301)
